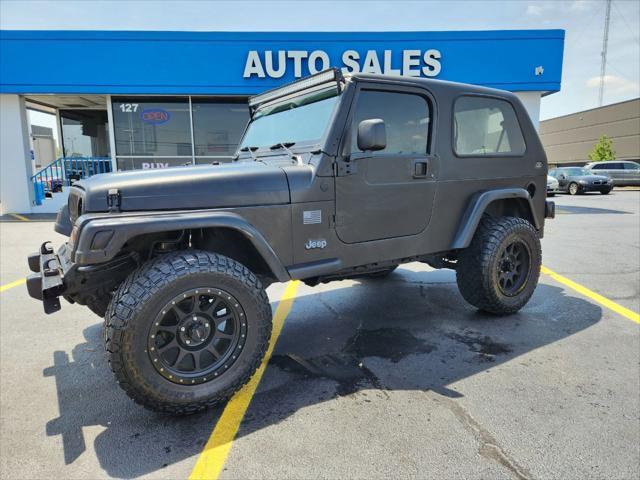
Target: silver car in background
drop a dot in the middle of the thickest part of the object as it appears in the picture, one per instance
(621, 172)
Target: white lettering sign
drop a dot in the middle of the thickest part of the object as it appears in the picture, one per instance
(275, 64)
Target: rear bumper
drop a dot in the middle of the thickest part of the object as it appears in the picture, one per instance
(46, 282)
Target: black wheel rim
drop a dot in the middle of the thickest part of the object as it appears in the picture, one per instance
(513, 268)
(197, 336)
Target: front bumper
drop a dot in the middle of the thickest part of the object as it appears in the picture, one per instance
(589, 187)
(46, 282)
(55, 275)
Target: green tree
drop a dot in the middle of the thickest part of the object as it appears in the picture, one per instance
(603, 150)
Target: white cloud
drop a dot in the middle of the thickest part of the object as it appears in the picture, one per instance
(534, 10)
(615, 84)
(580, 5)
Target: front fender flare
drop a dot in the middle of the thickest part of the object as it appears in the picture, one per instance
(477, 206)
(120, 228)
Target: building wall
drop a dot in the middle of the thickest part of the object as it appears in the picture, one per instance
(15, 157)
(570, 138)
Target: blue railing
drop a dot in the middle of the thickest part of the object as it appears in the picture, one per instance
(64, 172)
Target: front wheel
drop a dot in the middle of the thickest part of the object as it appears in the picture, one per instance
(499, 271)
(186, 331)
(574, 188)
(606, 191)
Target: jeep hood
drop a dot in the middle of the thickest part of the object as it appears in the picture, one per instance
(191, 187)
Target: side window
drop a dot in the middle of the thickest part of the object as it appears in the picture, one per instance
(614, 166)
(406, 118)
(485, 127)
(631, 166)
(600, 166)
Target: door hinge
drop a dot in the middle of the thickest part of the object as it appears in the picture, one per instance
(113, 200)
(342, 168)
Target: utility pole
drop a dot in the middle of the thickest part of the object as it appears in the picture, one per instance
(605, 41)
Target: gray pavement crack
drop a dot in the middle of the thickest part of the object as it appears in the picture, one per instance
(488, 445)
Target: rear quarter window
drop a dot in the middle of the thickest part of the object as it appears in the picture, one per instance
(485, 126)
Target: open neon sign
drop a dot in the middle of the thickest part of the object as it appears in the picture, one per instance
(155, 116)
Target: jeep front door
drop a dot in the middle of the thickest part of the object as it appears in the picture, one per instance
(387, 193)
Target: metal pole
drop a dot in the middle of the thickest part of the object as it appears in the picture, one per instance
(112, 134)
(605, 41)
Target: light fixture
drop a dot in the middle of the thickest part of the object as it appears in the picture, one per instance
(326, 76)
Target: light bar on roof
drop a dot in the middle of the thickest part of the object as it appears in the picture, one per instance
(331, 75)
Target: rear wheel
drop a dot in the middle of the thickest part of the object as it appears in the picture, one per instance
(186, 331)
(499, 271)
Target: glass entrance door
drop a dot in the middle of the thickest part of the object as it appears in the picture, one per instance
(85, 133)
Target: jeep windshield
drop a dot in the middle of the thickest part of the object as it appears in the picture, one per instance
(301, 119)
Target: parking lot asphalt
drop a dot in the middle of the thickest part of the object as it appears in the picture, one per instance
(396, 377)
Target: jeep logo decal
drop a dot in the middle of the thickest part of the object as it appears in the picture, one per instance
(311, 244)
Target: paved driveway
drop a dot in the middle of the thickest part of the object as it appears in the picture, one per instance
(369, 379)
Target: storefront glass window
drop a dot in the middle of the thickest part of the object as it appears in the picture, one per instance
(217, 127)
(149, 163)
(152, 127)
(161, 132)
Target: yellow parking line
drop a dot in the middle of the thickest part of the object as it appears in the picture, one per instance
(12, 284)
(19, 217)
(214, 455)
(605, 302)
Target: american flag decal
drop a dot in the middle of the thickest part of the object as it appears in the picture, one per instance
(310, 217)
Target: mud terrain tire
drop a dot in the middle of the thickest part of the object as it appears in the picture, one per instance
(136, 308)
(499, 270)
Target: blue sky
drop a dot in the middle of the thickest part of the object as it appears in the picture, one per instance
(583, 21)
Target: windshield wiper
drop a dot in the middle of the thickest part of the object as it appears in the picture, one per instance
(251, 151)
(285, 146)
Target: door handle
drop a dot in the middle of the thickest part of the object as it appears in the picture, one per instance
(420, 170)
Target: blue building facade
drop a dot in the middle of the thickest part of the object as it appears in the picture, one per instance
(248, 62)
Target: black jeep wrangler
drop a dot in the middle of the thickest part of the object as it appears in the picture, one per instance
(337, 176)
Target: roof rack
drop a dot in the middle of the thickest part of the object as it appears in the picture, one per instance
(326, 76)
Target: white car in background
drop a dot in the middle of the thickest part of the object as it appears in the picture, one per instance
(622, 173)
(553, 186)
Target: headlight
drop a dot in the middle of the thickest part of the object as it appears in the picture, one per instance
(74, 235)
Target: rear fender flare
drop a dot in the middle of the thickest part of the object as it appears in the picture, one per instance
(478, 205)
(124, 227)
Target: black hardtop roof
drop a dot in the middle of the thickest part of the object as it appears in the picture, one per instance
(452, 89)
(458, 87)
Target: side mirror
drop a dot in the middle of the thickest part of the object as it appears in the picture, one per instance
(372, 135)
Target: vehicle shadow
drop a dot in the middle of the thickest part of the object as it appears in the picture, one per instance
(411, 331)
